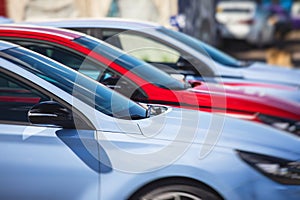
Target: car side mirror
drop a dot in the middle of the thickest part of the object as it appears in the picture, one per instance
(51, 113)
(195, 83)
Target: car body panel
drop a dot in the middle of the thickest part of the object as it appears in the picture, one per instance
(54, 163)
(30, 167)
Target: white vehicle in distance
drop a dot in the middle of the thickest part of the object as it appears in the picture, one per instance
(244, 20)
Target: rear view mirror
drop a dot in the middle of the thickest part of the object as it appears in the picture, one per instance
(51, 113)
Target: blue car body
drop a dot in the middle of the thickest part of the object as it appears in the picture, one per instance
(107, 156)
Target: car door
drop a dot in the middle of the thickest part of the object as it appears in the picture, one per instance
(42, 161)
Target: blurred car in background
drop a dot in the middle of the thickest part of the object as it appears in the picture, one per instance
(178, 53)
(144, 83)
(61, 141)
(235, 18)
(250, 21)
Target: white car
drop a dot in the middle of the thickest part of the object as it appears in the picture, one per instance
(244, 20)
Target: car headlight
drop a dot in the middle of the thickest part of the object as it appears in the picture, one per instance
(288, 125)
(279, 170)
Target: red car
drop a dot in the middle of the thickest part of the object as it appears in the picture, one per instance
(145, 83)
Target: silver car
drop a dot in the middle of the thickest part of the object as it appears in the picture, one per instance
(179, 54)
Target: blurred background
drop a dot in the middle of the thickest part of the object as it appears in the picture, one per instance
(262, 30)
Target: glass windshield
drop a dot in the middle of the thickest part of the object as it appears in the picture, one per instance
(146, 71)
(87, 90)
(203, 48)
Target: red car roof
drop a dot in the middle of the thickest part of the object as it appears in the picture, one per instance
(67, 34)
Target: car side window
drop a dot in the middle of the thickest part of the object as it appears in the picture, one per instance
(77, 62)
(164, 57)
(94, 70)
(16, 99)
(146, 49)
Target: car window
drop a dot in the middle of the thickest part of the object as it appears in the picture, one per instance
(157, 52)
(89, 68)
(146, 49)
(171, 60)
(16, 99)
(65, 57)
(203, 48)
(87, 90)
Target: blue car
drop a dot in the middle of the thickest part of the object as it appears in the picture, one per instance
(177, 53)
(66, 136)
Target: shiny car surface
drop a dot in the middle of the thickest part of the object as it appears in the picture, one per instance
(145, 83)
(65, 136)
(178, 53)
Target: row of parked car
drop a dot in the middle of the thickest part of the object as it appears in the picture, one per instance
(133, 110)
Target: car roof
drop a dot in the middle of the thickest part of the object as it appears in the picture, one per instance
(67, 34)
(6, 45)
(114, 23)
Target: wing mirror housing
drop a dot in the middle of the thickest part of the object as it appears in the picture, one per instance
(195, 83)
(51, 113)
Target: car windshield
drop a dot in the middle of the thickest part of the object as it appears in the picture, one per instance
(87, 90)
(203, 48)
(144, 70)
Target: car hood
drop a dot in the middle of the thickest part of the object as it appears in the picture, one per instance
(270, 73)
(210, 130)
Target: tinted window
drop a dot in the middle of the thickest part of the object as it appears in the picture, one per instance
(16, 99)
(85, 89)
(88, 67)
(66, 57)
